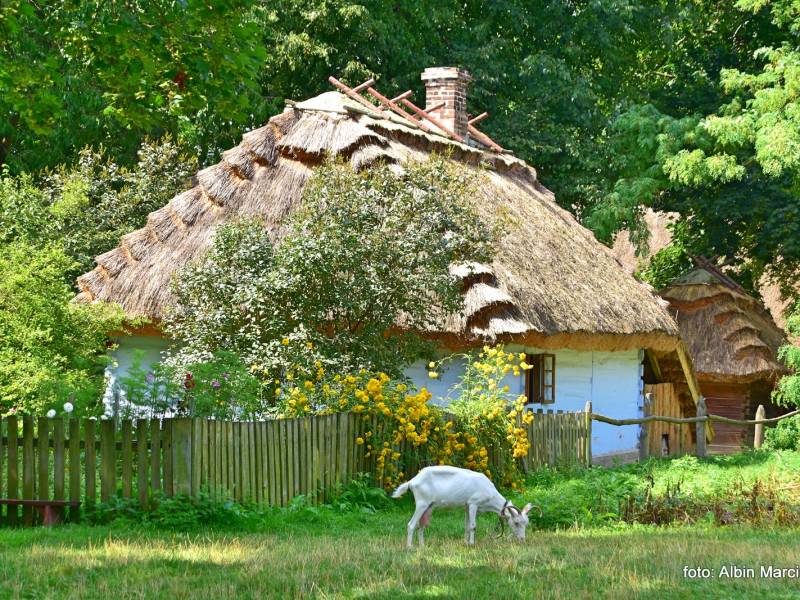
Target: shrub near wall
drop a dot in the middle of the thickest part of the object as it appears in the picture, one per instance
(482, 432)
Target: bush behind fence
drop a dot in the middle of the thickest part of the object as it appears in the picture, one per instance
(263, 462)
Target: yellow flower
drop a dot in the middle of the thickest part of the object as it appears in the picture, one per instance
(309, 345)
(359, 440)
(285, 341)
(522, 356)
(431, 365)
(433, 375)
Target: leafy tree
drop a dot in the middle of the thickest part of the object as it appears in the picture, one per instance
(550, 73)
(787, 392)
(670, 262)
(367, 251)
(76, 74)
(50, 350)
(721, 153)
(88, 207)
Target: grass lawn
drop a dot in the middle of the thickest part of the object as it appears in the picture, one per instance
(314, 553)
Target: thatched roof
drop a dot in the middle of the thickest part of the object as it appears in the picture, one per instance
(551, 284)
(729, 334)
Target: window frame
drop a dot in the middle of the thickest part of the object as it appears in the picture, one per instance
(543, 369)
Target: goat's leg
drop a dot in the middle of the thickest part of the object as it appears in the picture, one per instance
(423, 523)
(466, 523)
(473, 522)
(413, 524)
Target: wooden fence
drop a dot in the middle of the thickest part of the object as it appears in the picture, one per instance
(559, 439)
(265, 462)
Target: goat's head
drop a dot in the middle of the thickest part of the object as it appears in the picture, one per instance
(517, 519)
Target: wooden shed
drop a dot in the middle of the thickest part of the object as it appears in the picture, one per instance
(733, 342)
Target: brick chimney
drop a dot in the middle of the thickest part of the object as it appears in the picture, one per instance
(448, 85)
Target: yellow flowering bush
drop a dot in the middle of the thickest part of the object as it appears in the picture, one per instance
(482, 432)
(489, 415)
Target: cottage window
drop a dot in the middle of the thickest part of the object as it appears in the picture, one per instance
(540, 380)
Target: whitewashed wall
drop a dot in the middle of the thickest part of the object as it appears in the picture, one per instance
(123, 356)
(611, 380)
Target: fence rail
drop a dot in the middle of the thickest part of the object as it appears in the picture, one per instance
(701, 422)
(264, 462)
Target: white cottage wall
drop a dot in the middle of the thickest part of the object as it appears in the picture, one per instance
(611, 380)
(123, 359)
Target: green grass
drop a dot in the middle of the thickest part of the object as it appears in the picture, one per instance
(322, 553)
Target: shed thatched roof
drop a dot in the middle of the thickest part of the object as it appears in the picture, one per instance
(552, 284)
(729, 334)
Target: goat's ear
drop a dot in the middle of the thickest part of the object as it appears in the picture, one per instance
(527, 508)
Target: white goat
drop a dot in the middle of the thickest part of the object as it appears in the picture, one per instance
(444, 486)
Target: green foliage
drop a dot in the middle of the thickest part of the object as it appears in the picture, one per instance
(50, 350)
(361, 494)
(787, 392)
(222, 387)
(722, 149)
(749, 488)
(149, 391)
(549, 73)
(88, 207)
(365, 250)
(177, 513)
(77, 74)
(784, 436)
(670, 262)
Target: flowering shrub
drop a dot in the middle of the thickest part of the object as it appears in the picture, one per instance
(363, 251)
(488, 416)
(220, 387)
(482, 433)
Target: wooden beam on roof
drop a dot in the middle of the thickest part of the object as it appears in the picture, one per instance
(351, 94)
(395, 108)
(478, 119)
(406, 94)
(484, 139)
(424, 115)
(363, 86)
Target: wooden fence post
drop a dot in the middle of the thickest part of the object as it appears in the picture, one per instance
(700, 428)
(28, 485)
(182, 455)
(644, 441)
(758, 440)
(12, 464)
(108, 460)
(588, 416)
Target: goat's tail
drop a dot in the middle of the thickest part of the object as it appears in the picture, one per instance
(401, 490)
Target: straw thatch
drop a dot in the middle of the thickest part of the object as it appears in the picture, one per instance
(731, 337)
(551, 281)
